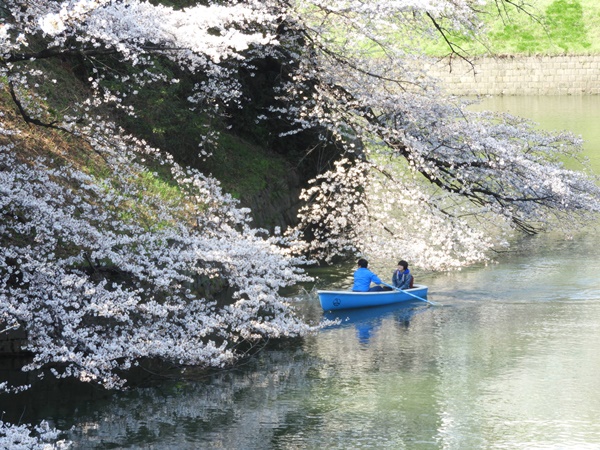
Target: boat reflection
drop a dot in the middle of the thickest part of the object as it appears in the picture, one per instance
(367, 321)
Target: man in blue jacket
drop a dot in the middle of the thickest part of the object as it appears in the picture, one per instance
(363, 278)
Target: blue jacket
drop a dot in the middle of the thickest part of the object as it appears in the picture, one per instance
(363, 278)
(401, 280)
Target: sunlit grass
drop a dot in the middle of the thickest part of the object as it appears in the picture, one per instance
(554, 27)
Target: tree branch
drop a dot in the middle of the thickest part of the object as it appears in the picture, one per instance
(456, 50)
(28, 119)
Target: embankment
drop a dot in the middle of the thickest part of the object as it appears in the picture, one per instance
(519, 75)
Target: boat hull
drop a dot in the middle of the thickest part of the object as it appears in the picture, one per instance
(332, 300)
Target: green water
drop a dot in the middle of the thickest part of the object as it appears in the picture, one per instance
(510, 361)
(578, 114)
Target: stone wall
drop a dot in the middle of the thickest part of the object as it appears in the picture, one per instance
(518, 75)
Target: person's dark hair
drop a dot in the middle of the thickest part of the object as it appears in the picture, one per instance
(403, 264)
(363, 262)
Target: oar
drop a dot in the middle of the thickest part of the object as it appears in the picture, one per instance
(411, 294)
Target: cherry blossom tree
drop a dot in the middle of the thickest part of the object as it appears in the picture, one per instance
(18, 437)
(102, 273)
(430, 180)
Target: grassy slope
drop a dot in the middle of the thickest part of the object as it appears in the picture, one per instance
(245, 169)
(558, 27)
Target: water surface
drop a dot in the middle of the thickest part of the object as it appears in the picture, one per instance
(577, 114)
(510, 361)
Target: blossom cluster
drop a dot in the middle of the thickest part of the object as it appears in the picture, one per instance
(21, 437)
(133, 27)
(96, 291)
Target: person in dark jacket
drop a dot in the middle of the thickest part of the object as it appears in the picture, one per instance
(363, 278)
(402, 277)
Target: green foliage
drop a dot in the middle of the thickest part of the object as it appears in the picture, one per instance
(159, 187)
(245, 169)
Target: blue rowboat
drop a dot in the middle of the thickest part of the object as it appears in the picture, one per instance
(332, 300)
